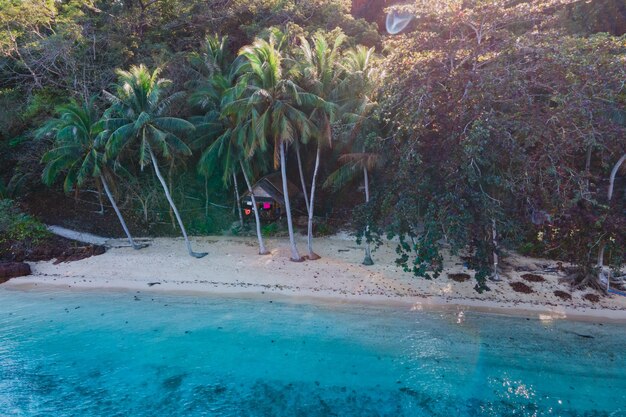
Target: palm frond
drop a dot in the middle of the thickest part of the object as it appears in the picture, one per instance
(341, 177)
(176, 144)
(173, 125)
(119, 139)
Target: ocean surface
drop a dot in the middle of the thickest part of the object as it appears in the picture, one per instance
(112, 354)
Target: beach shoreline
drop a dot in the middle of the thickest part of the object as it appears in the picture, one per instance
(233, 269)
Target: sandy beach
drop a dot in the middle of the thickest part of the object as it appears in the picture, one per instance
(234, 268)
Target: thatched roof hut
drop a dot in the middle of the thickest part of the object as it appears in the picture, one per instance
(268, 192)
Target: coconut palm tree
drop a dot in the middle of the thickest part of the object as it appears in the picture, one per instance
(321, 75)
(216, 73)
(355, 89)
(78, 151)
(228, 153)
(137, 116)
(353, 164)
(220, 127)
(602, 274)
(271, 106)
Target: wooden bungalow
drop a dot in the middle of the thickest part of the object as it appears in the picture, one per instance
(268, 192)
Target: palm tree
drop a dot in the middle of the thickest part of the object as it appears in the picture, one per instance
(352, 164)
(320, 77)
(356, 88)
(216, 72)
(220, 126)
(271, 108)
(227, 151)
(602, 274)
(78, 151)
(137, 116)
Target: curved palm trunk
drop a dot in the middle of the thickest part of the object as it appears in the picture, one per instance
(262, 250)
(613, 174)
(306, 197)
(368, 251)
(169, 199)
(238, 199)
(119, 215)
(600, 264)
(295, 256)
(312, 255)
(494, 240)
(101, 211)
(206, 197)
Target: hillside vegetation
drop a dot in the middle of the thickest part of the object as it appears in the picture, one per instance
(486, 126)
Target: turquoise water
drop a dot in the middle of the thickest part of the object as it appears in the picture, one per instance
(86, 354)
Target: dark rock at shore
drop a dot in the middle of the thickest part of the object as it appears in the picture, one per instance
(10, 270)
(78, 253)
(54, 247)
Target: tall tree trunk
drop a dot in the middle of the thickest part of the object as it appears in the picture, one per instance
(119, 215)
(206, 197)
(600, 264)
(312, 255)
(494, 240)
(170, 186)
(238, 199)
(302, 181)
(101, 211)
(588, 167)
(255, 208)
(368, 251)
(613, 174)
(295, 256)
(173, 206)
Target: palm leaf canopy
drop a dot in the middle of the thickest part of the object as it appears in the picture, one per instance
(217, 71)
(215, 59)
(273, 102)
(360, 77)
(78, 148)
(138, 116)
(320, 69)
(352, 165)
(219, 130)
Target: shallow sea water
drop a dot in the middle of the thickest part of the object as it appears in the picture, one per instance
(107, 354)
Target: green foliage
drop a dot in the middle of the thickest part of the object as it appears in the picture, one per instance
(42, 103)
(12, 105)
(487, 117)
(498, 123)
(18, 226)
(271, 229)
(138, 116)
(324, 228)
(78, 149)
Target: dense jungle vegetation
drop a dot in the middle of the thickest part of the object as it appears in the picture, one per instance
(486, 126)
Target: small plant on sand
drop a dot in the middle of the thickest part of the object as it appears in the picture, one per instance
(460, 277)
(533, 278)
(594, 298)
(324, 229)
(521, 287)
(271, 229)
(565, 296)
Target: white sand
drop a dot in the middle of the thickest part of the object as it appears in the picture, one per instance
(233, 267)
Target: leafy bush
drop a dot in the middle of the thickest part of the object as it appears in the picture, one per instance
(271, 229)
(18, 226)
(324, 229)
